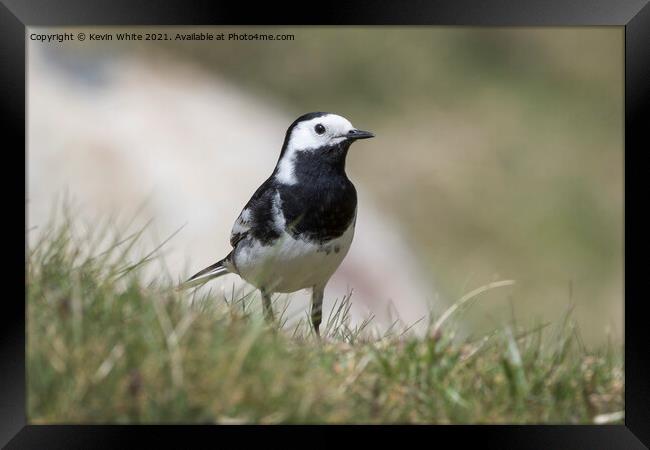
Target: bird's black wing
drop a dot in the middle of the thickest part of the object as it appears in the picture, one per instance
(256, 219)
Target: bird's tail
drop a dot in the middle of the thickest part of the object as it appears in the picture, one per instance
(215, 270)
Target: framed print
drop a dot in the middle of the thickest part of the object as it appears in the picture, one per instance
(375, 215)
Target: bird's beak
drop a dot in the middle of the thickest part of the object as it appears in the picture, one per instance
(358, 134)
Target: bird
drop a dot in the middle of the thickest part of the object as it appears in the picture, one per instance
(298, 226)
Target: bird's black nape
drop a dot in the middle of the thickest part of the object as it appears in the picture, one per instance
(308, 116)
(303, 118)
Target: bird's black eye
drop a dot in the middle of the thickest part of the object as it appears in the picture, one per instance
(319, 128)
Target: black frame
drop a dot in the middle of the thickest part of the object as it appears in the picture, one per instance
(634, 15)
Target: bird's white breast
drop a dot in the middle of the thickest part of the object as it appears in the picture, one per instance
(289, 264)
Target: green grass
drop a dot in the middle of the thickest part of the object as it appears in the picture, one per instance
(104, 346)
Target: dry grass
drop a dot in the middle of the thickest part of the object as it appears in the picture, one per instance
(104, 347)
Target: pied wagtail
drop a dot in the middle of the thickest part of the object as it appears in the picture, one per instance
(298, 226)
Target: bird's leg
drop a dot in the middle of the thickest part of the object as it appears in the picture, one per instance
(268, 308)
(317, 307)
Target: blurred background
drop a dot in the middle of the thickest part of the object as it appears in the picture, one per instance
(499, 155)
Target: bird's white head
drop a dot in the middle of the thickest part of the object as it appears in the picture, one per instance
(314, 132)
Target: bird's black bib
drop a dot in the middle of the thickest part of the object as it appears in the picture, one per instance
(322, 204)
